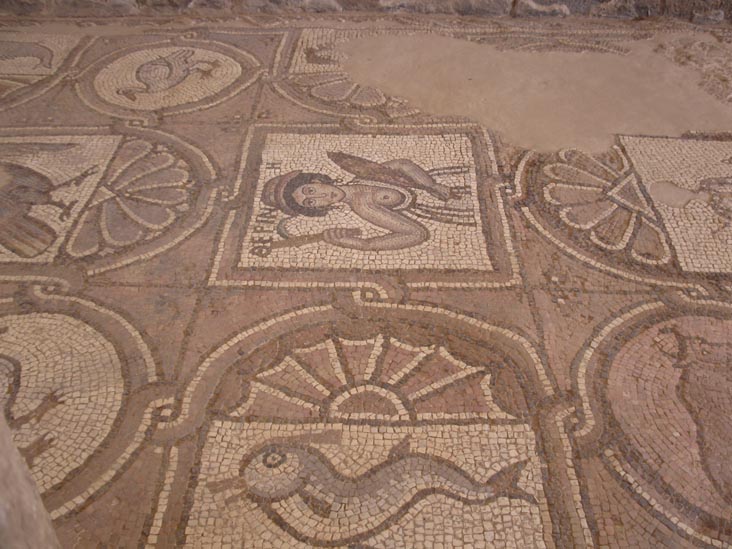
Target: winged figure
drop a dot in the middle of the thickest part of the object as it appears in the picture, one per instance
(383, 194)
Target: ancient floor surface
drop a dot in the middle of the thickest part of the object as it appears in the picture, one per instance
(247, 302)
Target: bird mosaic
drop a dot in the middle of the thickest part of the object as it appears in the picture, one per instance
(21, 189)
(10, 50)
(164, 73)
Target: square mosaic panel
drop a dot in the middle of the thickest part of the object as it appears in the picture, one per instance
(418, 204)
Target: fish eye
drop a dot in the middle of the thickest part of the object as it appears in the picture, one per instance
(310, 203)
(307, 189)
(272, 459)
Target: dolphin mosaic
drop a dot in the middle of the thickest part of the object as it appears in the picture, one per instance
(296, 484)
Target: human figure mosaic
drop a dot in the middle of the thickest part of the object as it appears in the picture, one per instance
(388, 210)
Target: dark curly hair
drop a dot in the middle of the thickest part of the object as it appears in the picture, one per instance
(298, 181)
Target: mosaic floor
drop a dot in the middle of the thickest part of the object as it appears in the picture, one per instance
(245, 302)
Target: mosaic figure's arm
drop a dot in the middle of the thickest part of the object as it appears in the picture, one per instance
(403, 231)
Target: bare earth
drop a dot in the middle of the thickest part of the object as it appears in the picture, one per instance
(542, 100)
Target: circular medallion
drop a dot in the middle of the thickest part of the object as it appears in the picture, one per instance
(169, 77)
(162, 78)
(63, 389)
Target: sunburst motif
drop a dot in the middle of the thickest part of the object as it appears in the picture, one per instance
(379, 379)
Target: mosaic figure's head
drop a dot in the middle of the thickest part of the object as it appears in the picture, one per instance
(298, 193)
(274, 472)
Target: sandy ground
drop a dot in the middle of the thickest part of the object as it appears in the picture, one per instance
(542, 100)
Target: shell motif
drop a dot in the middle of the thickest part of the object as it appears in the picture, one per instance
(607, 204)
(145, 189)
(380, 379)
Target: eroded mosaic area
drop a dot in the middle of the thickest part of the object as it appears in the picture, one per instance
(246, 302)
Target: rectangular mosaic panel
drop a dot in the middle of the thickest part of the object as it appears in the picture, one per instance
(455, 241)
(690, 182)
(220, 515)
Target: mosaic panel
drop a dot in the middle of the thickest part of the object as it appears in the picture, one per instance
(690, 182)
(419, 212)
(64, 391)
(335, 494)
(171, 76)
(29, 54)
(335, 203)
(653, 398)
(46, 182)
(32, 63)
(245, 301)
(321, 438)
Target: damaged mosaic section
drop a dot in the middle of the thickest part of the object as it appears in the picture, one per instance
(247, 300)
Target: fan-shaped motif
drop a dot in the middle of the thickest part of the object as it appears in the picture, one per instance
(379, 379)
(145, 189)
(608, 204)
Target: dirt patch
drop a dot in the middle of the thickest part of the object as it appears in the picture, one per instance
(543, 101)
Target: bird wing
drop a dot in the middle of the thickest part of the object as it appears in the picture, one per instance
(154, 72)
(368, 169)
(163, 68)
(25, 236)
(180, 56)
(17, 149)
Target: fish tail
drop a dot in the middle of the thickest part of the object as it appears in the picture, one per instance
(505, 482)
(235, 497)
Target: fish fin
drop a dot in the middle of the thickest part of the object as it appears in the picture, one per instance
(505, 482)
(216, 486)
(401, 449)
(317, 505)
